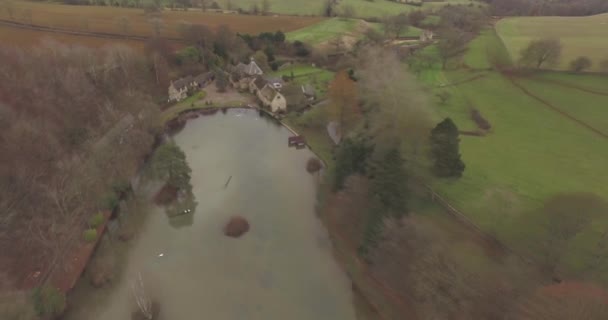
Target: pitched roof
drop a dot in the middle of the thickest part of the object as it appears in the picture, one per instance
(253, 68)
(274, 80)
(203, 77)
(250, 69)
(182, 83)
(308, 90)
(294, 97)
(259, 82)
(241, 67)
(269, 93)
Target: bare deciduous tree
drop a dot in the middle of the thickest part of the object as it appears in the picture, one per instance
(453, 44)
(398, 106)
(394, 26)
(541, 52)
(142, 300)
(265, 7)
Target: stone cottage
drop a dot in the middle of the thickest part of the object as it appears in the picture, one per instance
(203, 79)
(272, 99)
(178, 89)
(242, 74)
(426, 35)
(268, 95)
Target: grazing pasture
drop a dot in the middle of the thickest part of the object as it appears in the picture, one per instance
(580, 36)
(111, 19)
(327, 30)
(540, 146)
(350, 30)
(303, 74)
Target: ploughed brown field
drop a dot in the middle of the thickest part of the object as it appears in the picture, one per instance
(107, 20)
(26, 38)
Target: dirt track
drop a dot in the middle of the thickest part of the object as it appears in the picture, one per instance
(76, 33)
(572, 86)
(554, 108)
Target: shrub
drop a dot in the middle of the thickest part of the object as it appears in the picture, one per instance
(481, 122)
(48, 301)
(96, 220)
(110, 201)
(90, 235)
(121, 186)
(313, 165)
(274, 66)
(579, 64)
(302, 52)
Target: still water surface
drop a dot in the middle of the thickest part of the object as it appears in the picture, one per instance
(281, 269)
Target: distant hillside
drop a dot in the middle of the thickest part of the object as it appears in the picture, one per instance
(580, 36)
(548, 7)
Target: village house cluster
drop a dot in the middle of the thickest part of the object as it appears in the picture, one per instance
(272, 92)
(180, 89)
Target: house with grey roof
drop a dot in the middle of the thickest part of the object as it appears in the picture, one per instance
(269, 96)
(203, 79)
(309, 92)
(273, 99)
(249, 70)
(178, 89)
(242, 74)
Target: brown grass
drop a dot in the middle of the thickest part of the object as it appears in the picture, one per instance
(26, 38)
(105, 19)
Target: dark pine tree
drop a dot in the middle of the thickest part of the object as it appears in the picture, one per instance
(351, 157)
(389, 183)
(445, 150)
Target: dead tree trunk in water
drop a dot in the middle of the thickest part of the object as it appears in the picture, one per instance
(144, 303)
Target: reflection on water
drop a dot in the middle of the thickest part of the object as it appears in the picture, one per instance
(281, 269)
(181, 212)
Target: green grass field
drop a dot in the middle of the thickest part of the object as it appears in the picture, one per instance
(486, 51)
(411, 31)
(595, 82)
(580, 36)
(304, 74)
(326, 30)
(589, 108)
(532, 152)
(363, 8)
(350, 29)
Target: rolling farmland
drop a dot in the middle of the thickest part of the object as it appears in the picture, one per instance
(548, 138)
(134, 22)
(580, 36)
(362, 8)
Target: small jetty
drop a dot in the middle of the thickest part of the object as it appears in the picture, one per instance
(297, 141)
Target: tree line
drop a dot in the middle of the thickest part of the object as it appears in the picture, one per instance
(76, 124)
(547, 7)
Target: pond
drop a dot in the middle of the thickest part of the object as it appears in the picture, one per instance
(283, 268)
